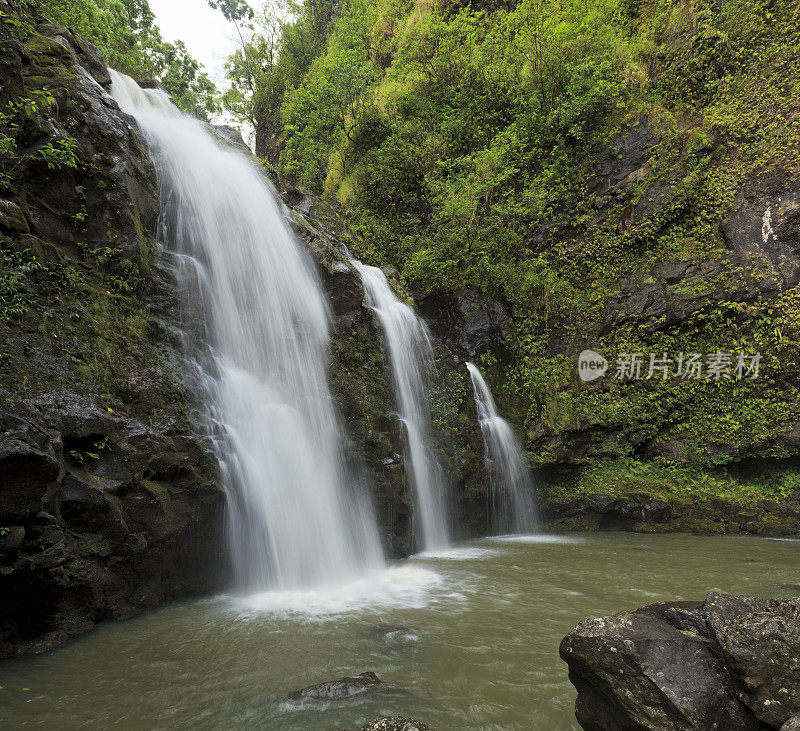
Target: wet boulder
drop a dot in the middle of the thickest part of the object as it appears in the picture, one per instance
(349, 687)
(730, 662)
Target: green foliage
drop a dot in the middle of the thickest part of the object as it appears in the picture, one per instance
(680, 483)
(288, 37)
(14, 266)
(126, 33)
(56, 154)
(233, 9)
(464, 143)
(329, 105)
(83, 457)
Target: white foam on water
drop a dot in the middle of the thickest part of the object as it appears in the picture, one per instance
(407, 587)
(534, 538)
(456, 554)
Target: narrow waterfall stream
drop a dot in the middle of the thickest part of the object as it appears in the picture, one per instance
(294, 520)
(411, 355)
(513, 509)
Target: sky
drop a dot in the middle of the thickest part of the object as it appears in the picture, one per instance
(207, 35)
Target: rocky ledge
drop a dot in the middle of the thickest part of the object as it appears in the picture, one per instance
(644, 513)
(730, 662)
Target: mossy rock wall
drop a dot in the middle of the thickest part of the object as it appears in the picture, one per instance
(109, 498)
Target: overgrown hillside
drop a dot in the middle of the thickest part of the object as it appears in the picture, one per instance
(598, 173)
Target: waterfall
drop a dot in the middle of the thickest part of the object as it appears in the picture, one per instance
(294, 518)
(513, 509)
(411, 356)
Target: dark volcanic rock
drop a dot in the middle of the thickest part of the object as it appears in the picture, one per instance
(624, 160)
(641, 512)
(395, 723)
(469, 323)
(152, 84)
(730, 662)
(109, 502)
(358, 685)
(764, 230)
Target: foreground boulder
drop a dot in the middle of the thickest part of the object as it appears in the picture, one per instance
(731, 662)
(358, 685)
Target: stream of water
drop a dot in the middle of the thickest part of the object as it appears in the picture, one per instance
(477, 646)
(512, 508)
(411, 355)
(294, 517)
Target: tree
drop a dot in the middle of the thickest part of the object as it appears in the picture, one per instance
(126, 33)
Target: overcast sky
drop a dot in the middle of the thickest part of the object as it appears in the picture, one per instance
(208, 36)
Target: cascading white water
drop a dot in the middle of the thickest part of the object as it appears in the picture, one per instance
(513, 509)
(411, 355)
(294, 518)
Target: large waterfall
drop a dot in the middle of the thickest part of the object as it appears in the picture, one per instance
(294, 518)
(411, 355)
(513, 509)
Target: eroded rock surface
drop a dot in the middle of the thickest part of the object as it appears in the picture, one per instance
(731, 662)
(643, 512)
(109, 502)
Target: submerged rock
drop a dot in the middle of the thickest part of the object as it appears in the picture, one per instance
(395, 723)
(358, 685)
(394, 638)
(731, 662)
(394, 633)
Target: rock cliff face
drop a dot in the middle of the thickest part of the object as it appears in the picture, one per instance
(703, 257)
(110, 500)
(730, 662)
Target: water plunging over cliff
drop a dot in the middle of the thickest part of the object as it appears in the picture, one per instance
(294, 520)
(513, 509)
(411, 356)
